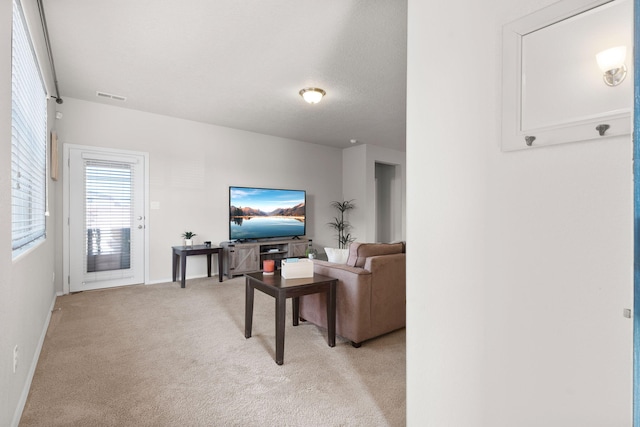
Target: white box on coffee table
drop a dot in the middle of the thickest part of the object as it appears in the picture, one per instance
(303, 267)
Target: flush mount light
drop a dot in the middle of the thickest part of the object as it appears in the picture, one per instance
(312, 95)
(611, 62)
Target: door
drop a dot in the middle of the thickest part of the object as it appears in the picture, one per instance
(298, 249)
(106, 218)
(244, 259)
(387, 203)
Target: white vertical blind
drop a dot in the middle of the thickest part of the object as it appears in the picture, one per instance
(108, 215)
(28, 140)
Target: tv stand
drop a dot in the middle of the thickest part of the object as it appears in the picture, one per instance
(246, 257)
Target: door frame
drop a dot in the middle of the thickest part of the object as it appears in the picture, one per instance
(636, 215)
(66, 208)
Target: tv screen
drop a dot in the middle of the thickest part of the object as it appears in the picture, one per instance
(260, 213)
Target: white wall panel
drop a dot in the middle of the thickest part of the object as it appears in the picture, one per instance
(515, 299)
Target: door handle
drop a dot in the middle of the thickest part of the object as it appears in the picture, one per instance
(139, 226)
(139, 218)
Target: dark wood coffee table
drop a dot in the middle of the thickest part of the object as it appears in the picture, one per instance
(281, 289)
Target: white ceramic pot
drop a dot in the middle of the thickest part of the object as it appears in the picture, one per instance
(188, 242)
(338, 256)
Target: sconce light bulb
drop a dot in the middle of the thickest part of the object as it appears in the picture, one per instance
(611, 59)
(611, 62)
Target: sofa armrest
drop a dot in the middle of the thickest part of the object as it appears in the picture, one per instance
(332, 266)
(353, 301)
(388, 291)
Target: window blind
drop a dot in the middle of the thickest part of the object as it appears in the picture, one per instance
(108, 215)
(28, 140)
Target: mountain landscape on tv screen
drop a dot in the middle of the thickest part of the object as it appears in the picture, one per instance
(297, 210)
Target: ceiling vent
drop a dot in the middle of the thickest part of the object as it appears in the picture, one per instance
(110, 96)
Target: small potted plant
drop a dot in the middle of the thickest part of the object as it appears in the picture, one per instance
(188, 237)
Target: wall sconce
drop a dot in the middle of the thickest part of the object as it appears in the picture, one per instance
(611, 62)
(312, 95)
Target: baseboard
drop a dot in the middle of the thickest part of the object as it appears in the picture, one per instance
(32, 370)
(157, 282)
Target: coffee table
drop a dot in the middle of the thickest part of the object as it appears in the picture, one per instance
(281, 289)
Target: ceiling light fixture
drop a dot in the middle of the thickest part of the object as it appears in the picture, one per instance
(312, 95)
(611, 62)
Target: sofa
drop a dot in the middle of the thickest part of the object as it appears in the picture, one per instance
(371, 292)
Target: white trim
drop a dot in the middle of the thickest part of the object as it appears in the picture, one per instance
(168, 280)
(147, 217)
(157, 282)
(65, 222)
(30, 247)
(32, 370)
(574, 130)
(111, 158)
(65, 205)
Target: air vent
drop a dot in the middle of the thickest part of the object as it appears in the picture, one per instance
(110, 96)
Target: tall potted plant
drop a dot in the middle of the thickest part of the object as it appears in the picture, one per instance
(342, 227)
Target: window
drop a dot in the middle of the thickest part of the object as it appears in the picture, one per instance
(108, 215)
(28, 140)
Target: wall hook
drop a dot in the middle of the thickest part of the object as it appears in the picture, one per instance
(602, 129)
(529, 140)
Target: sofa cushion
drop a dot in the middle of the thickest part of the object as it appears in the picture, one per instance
(359, 252)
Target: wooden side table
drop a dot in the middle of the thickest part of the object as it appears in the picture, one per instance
(180, 253)
(281, 289)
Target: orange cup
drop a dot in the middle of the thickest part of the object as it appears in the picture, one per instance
(268, 265)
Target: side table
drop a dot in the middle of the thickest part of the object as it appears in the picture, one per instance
(281, 289)
(180, 253)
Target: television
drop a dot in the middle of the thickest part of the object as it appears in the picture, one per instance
(263, 213)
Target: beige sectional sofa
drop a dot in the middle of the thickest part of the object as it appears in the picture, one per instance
(371, 292)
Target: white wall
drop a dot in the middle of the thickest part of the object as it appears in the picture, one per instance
(515, 299)
(26, 286)
(359, 171)
(192, 166)
(560, 266)
(448, 129)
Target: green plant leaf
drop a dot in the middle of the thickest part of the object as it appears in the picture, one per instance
(340, 225)
(344, 205)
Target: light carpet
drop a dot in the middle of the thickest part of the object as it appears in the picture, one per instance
(160, 355)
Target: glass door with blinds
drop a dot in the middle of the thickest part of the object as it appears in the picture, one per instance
(106, 219)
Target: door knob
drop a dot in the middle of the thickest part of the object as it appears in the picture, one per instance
(139, 226)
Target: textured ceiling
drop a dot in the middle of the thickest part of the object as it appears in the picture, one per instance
(241, 63)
